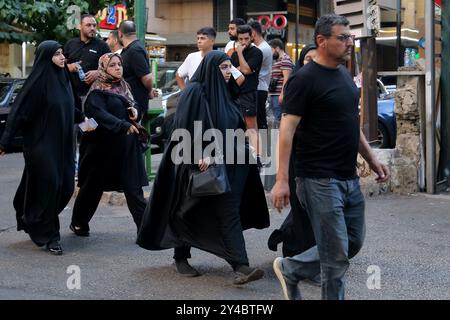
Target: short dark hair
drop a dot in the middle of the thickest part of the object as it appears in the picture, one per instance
(115, 34)
(256, 26)
(127, 27)
(86, 15)
(326, 23)
(244, 29)
(276, 43)
(207, 31)
(237, 21)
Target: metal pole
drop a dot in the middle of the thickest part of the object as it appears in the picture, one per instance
(445, 97)
(399, 33)
(430, 98)
(296, 29)
(231, 9)
(24, 59)
(139, 17)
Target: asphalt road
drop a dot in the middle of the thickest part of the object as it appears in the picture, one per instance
(408, 239)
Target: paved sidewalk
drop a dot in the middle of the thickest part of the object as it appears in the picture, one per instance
(408, 238)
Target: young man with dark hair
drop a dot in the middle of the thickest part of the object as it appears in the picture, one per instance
(322, 98)
(206, 37)
(248, 60)
(136, 66)
(84, 52)
(264, 73)
(232, 33)
(281, 69)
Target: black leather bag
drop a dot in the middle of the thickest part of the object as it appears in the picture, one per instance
(211, 182)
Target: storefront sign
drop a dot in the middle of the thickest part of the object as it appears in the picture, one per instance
(112, 16)
(273, 25)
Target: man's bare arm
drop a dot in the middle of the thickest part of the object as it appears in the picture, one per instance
(280, 191)
(147, 81)
(366, 152)
(180, 81)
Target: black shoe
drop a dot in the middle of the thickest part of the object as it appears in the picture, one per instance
(54, 248)
(79, 231)
(184, 268)
(245, 274)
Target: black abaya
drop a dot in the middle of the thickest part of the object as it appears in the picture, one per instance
(44, 111)
(213, 223)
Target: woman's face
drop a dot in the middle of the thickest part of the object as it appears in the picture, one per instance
(115, 67)
(58, 58)
(311, 55)
(225, 68)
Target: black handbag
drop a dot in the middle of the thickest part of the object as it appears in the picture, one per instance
(211, 182)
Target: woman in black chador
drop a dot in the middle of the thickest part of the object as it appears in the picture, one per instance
(44, 111)
(111, 156)
(173, 219)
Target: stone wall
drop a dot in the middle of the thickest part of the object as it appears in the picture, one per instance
(404, 160)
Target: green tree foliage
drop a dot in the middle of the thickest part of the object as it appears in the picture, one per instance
(36, 21)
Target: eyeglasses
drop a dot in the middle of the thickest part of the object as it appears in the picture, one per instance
(343, 37)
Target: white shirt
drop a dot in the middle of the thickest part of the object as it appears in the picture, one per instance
(193, 60)
(266, 66)
(228, 47)
(190, 65)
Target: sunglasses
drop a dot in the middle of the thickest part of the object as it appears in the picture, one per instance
(343, 37)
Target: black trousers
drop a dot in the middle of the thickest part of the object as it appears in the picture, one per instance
(89, 197)
(261, 116)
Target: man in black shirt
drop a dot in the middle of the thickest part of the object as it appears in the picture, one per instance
(85, 50)
(136, 66)
(322, 98)
(248, 59)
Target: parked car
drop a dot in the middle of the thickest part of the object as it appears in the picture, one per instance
(161, 126)
(387, 124)
(9, 88)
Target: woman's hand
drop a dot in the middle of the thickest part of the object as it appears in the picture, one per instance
(2, 152)
(133, 113)
(132, 129)
(203, 164)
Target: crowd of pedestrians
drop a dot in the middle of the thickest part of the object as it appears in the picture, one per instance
(315, 105)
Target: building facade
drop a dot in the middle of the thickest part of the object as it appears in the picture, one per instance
(178, 20)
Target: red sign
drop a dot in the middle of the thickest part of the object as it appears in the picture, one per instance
(112, 16)
(278, 22)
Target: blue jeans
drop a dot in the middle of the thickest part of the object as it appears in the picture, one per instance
(336, 210)
(276, 108)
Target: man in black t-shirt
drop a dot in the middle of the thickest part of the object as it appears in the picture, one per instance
(323, 100)
(85, 52)
(136, 66)
(248, 59)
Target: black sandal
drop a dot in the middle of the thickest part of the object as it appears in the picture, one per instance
(79, 231)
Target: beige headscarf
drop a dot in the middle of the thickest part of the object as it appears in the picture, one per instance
(108, 83)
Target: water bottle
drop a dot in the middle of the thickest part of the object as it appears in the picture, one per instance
(81, 72)
(407, 58)
(412, 59)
